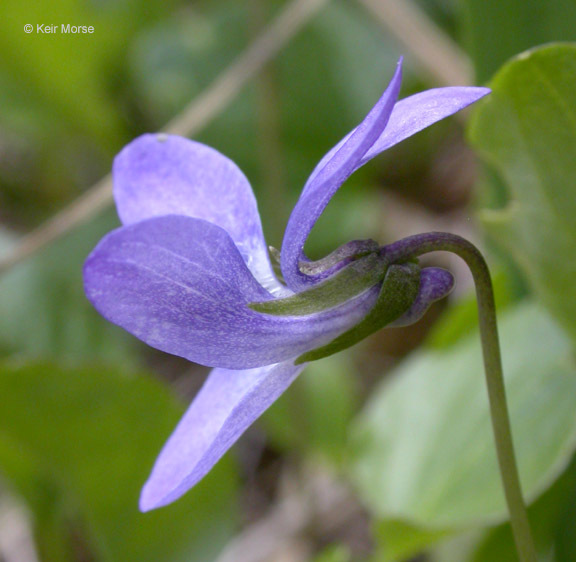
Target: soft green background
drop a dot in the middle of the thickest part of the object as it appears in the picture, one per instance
(401, 421)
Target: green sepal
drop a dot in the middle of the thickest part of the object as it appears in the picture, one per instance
(348, 283)
(398, 292)
(354, 249)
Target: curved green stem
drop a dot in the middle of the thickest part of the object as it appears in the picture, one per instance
(419, 244)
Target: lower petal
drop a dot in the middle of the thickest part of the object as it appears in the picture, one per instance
(228, 403)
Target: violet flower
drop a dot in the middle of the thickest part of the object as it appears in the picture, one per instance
(190, 258)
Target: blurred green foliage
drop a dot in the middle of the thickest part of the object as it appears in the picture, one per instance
(314, 417)
(423, 446)
(534, 154)
(78, 443)
(45, 312)
(496, 30)
(81, 422)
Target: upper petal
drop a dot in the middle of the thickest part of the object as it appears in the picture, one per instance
(334, 168)
(413, 114)
(159, 174)
(180, 285)
(228, 403)
(408, 117)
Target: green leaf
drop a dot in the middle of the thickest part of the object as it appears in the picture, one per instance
(79, 443)
(565, 546)
(499, 29)
(547, 515)
(527, 130)
(400, 540)
(423, 447)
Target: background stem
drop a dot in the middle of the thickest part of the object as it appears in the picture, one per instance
(414, 246)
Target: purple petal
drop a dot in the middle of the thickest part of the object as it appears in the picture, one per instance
(327, 177)
(228, 403)
(413, 114)
(435, 284)
(160, 174)
(408, 117)
(180, 285)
